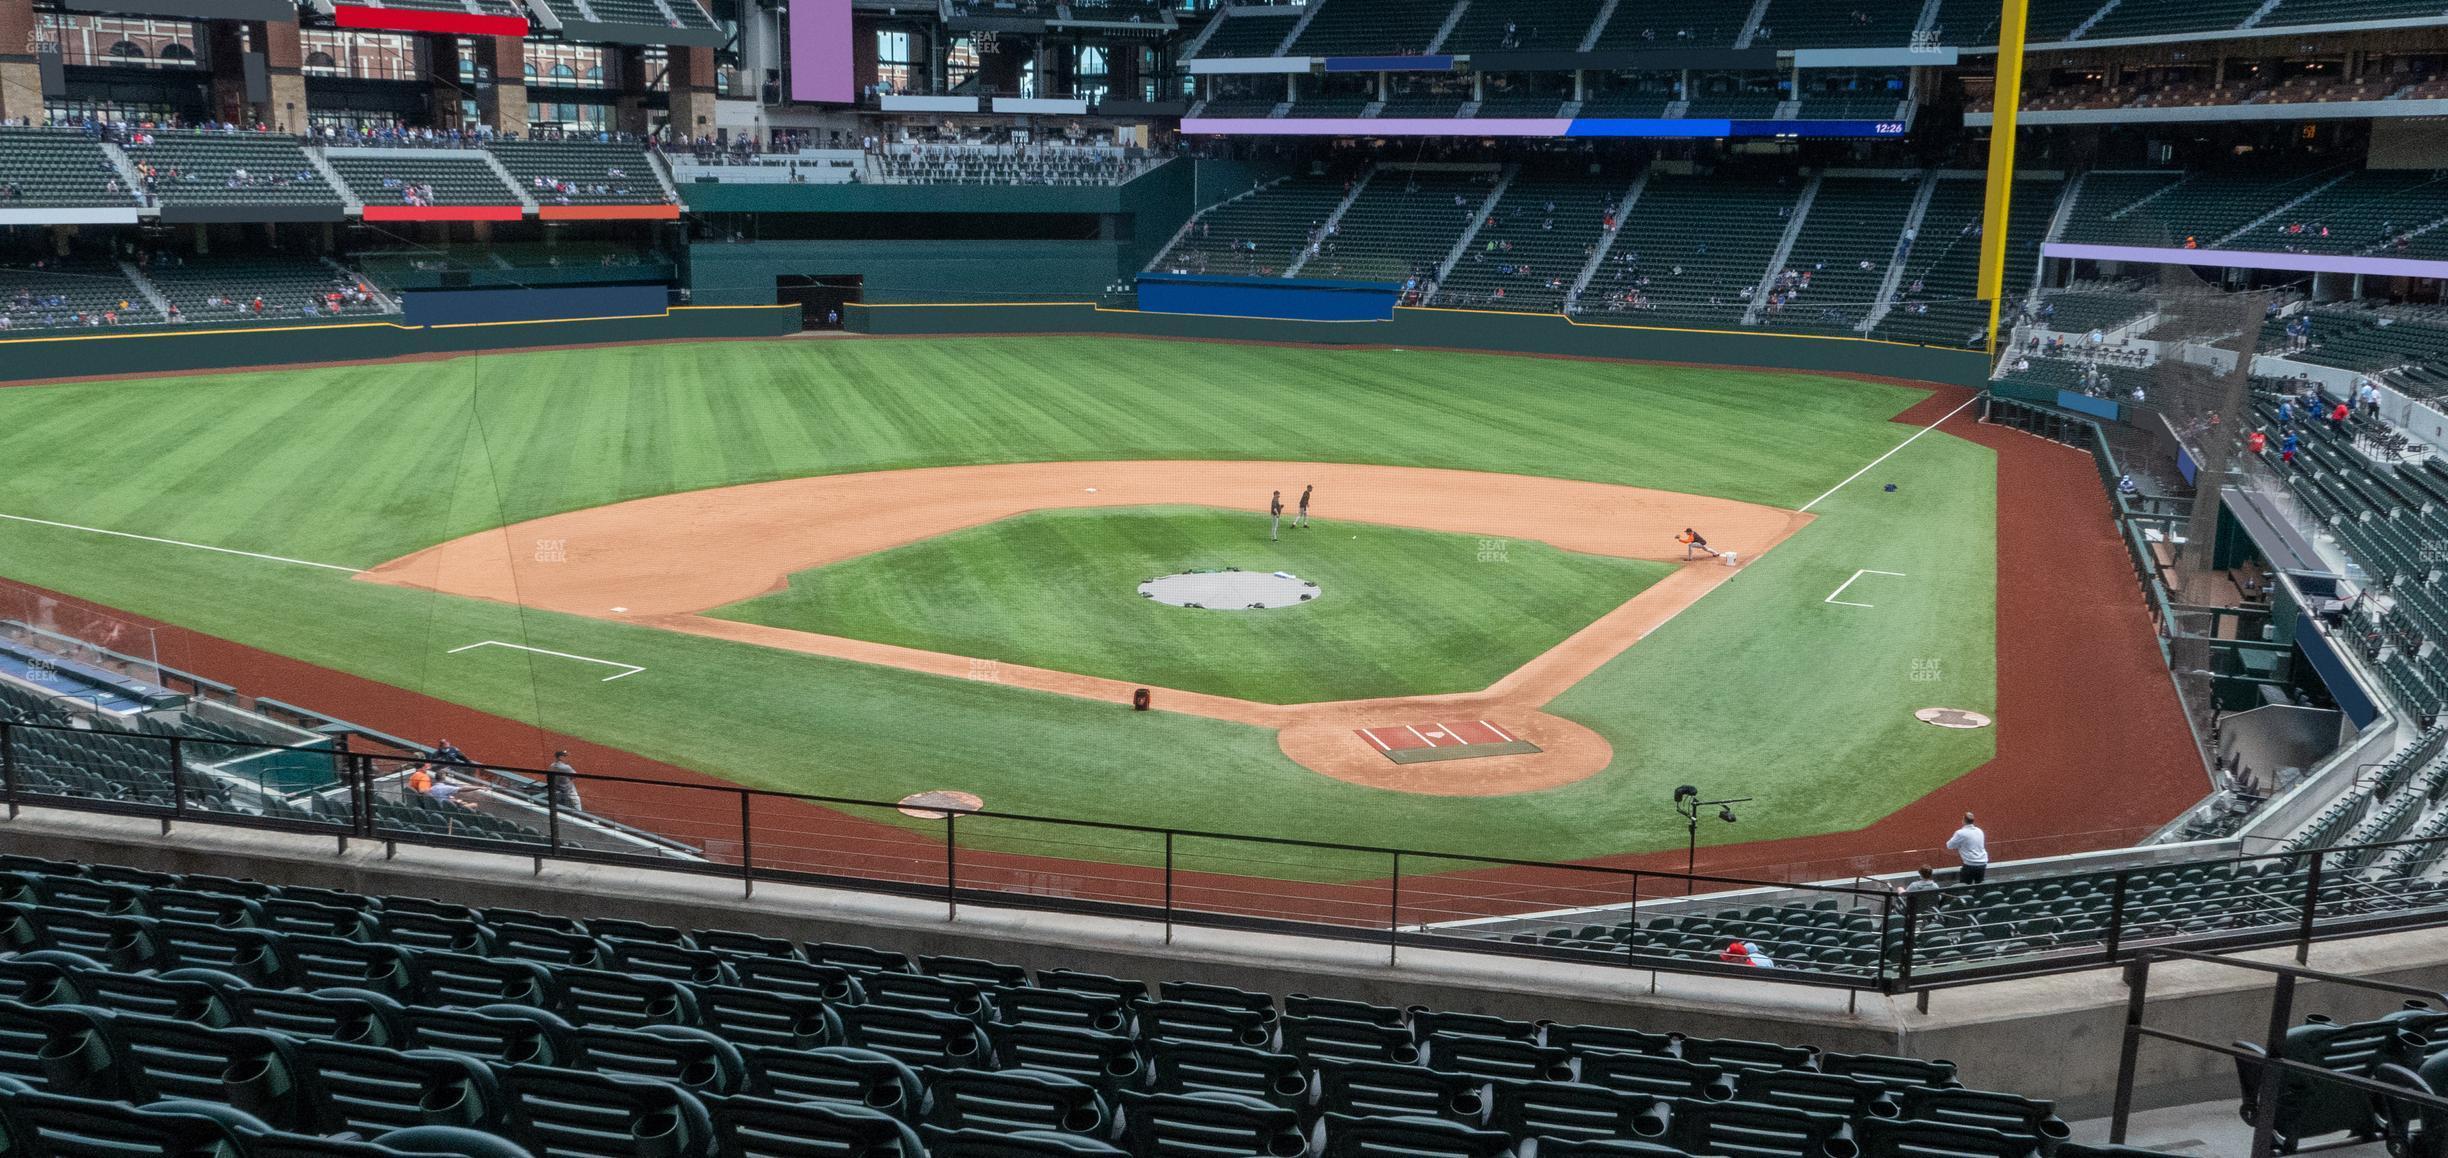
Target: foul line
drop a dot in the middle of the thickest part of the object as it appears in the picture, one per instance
(633, 668)
(1891, 453)
(1840, 588)
(184, 543)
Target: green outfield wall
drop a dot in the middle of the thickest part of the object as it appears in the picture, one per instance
(928, 260)
(1494, 332)
(901, 270)
(33, 359)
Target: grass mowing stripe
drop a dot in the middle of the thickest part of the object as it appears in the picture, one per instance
(1399, 612)
(714, 415)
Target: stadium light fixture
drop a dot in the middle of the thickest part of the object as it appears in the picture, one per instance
(1688, 805)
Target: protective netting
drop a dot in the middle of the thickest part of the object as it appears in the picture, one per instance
(38, 629)
(2198, 345)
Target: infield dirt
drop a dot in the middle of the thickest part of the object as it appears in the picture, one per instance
(664, 561)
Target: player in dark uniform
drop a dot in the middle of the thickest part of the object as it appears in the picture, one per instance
(1302, 519)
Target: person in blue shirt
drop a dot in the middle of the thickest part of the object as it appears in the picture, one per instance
(2286, 448)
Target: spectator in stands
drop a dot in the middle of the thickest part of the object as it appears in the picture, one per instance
(420, 780)
(1971, 847)
(1925, 880)
(1746, 953)
(2286, 448)
(564, 782)
(445, 792)
(2256, 443)
(446, 753)
(2367, 398)
(2337, 419)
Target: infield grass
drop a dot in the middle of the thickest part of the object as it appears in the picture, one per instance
(1762, 689)
(1399, 612)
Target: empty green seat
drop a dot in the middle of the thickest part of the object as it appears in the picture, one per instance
(689, 1058)
(463, 979)
(1890, 1138)
(1063, 1009)
(672, 962)
(862, 1077)
(604, 998)
(1810, 1090)
(1733, 1053)
(1754, 1130)
(1658, 1076)
(1212, 1067)
(1318, 1039)
(2011, 1113)
(1563, 1109)
(508, 1034)
(751, 1127)
(932, 994)
(915, 1037)
(1303, 1005)
(790, 975)
(1012, 1100)
(372, 1088)
(858, 957)
(1106, 1061)
(1188, 1125)
(1199, 1021)
(1375, 1089)
(745, 1016)
(572, 1112)
(1351, 1137)
(1025, 1144)
(1496, 1057)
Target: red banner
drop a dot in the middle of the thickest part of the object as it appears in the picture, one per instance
(423, 20)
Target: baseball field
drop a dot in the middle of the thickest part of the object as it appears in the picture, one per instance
(873, 568)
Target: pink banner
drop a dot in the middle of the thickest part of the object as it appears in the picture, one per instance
(820, 68)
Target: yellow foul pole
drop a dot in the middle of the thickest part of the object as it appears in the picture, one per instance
(2008, 104)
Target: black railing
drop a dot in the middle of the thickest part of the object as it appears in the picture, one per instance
(1838, 936)
(2268, 1068)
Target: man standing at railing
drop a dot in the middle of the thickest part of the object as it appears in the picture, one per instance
(564, 782)
(1971, 846)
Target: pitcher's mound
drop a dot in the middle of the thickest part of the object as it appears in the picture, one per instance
(1230, 590)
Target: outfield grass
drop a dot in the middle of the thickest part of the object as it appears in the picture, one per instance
(1399, 612)
(1761, 690)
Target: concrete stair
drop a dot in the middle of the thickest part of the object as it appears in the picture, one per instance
(1326, 228)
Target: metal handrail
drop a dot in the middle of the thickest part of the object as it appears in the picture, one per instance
(1341, 906)
(2272, 1060)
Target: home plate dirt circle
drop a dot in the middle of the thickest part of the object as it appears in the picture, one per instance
(939, 803)
(1952, 718)
(1340, 744)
